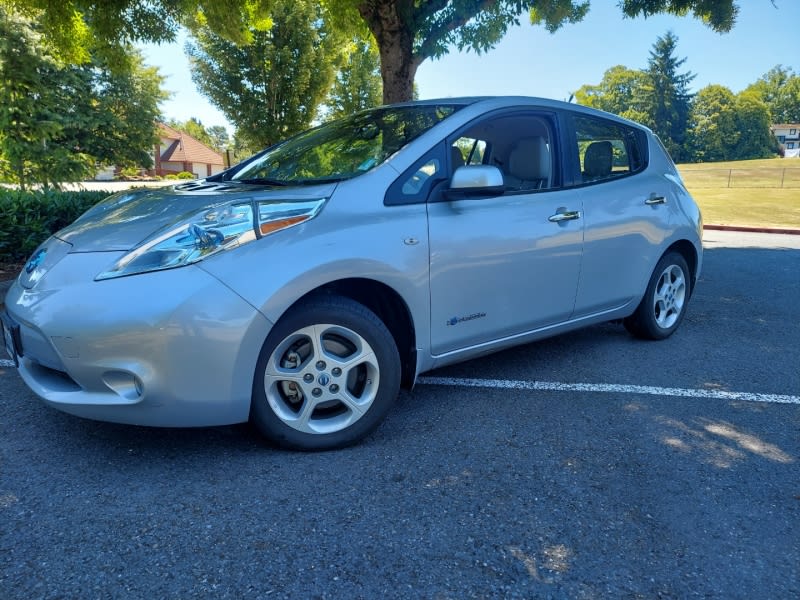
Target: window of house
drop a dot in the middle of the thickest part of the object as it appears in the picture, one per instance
(790, 145)
(781, 138)
(793, 132)
(607, 150)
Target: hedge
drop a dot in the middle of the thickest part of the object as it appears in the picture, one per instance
(29, 218)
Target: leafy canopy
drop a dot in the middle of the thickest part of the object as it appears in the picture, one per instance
(59, 121)
(406, 32)
(272, 87)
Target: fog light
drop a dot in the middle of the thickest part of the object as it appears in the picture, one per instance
(124, 384)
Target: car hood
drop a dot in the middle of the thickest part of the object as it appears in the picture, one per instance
(125, 220)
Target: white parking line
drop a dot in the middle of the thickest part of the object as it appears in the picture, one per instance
(608, 388)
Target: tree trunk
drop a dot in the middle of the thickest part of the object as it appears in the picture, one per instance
(395, 39)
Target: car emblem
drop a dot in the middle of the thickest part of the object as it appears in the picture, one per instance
(36, 260)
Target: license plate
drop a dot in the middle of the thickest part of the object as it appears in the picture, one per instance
(9, 331)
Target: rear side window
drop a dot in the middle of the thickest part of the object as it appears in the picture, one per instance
(607, 150)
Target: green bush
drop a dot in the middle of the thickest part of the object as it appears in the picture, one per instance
(181, 175)
(29, 218)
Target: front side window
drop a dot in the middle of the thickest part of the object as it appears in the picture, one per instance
(344, 148)
(520, 145)
(606, 150)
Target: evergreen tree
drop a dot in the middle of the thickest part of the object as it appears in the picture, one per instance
(57, 121)
(669, 100)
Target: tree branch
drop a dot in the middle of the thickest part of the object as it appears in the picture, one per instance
(456, 20)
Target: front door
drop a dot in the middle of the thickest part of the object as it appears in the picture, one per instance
(509, 263)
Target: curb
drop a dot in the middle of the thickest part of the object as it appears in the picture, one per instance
(752, 229)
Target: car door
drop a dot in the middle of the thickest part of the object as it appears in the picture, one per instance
(626, 213)
(505, 263)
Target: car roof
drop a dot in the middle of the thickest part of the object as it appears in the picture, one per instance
(494, 102)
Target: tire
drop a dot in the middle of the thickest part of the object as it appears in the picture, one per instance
(664, 303)
(327, 375)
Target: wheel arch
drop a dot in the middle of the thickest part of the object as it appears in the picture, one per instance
(389, 306)
(686, 249)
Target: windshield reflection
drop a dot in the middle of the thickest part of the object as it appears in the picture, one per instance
(344, 148)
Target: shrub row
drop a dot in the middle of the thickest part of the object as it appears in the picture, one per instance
(29, 218)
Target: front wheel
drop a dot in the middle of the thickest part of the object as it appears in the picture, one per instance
(327, 375)
(664, 304)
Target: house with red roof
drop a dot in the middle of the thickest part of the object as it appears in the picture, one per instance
(177, 151)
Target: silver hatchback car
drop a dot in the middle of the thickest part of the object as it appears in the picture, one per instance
(302, 288)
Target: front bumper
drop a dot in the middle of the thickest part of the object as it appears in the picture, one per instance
(173, 348)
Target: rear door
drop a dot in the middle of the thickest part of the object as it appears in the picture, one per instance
(626, 211)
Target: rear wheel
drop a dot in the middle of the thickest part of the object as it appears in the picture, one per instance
(664, 304)
(327, 375)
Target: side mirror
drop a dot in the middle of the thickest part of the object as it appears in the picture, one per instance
(476, 180)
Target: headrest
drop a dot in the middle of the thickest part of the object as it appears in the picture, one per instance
(597, 160)
(530, 159)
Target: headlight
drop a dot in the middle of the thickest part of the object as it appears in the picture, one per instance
(211, 231)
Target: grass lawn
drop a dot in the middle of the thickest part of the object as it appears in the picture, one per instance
(755, 197)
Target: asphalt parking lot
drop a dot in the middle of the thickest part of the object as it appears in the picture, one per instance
(591, 465)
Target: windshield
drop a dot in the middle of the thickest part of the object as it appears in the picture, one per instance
(344, 148)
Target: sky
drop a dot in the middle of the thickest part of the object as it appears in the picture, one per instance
(530, 61)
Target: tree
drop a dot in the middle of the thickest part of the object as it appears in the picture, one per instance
(272, 87)
(714, 134)
(29, 104)
(725, 126)
(779, 89)
(218, 135)
(215, 137)
(79, 29)
(194, 128)
(123, 109)
(407, 32)
(58, 122)
(752, 123)
(622, 91)
(669, 100)
(357, 85)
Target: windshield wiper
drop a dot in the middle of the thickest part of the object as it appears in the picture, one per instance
(263, 181)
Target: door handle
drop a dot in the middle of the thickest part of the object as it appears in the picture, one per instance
(654, 199)
(565, 215)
